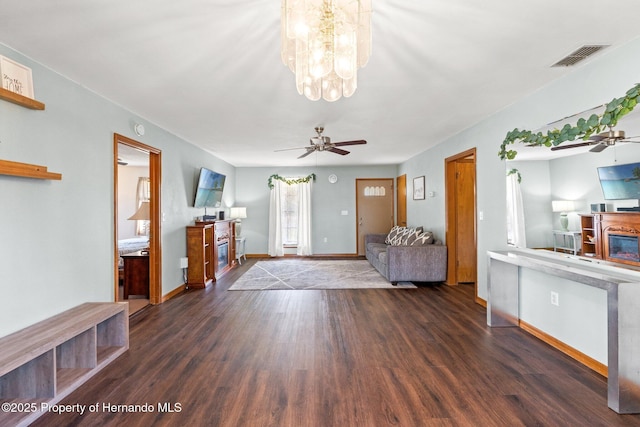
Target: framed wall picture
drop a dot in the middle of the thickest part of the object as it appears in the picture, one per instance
(16, 77)
(418, 188)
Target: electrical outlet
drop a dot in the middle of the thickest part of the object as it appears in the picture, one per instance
(184, 262)
(326, 240)
(555, 299)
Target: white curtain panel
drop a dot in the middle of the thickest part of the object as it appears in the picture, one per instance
(515, 213)
(304, 219)
(275, 222)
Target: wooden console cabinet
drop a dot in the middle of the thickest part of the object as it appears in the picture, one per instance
(589, 237)
(210, 249)
(616, 236)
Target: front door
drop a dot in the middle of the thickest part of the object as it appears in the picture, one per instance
(374, 208)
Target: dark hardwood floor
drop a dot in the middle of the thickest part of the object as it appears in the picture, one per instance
(410, 357)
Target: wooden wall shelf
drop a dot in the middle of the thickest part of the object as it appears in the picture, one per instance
(27, 170)
(7, 95)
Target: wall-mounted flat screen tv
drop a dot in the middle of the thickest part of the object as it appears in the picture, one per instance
(620, 182)
(209, 189)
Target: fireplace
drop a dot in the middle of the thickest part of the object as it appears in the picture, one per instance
(616, 237)
(223, 256)
(624, 248)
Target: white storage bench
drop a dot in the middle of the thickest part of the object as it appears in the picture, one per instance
(44, 362)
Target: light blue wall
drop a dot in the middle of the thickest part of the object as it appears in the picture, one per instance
(536, 200)
(328, 202)
(57, 237)
(576, 177)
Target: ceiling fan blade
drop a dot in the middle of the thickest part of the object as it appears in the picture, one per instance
(306, 154)
(338, 151)
(630, 139)
(357, 142)
(289, 149)
(564, 147)
(599, 137)
(598, 148)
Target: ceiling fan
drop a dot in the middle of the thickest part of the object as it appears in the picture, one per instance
(600, 141)
(323, 143)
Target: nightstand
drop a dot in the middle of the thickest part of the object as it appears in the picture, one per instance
(136, 274)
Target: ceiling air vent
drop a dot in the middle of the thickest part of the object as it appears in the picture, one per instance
(580, 54)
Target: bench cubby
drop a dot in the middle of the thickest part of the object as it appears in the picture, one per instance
(46, 361)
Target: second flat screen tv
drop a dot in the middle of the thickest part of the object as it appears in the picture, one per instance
(209, 189)
(620, 182)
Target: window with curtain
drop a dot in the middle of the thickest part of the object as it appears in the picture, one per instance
(143, 194)
(290, 216)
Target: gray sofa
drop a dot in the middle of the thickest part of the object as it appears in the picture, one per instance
(407, 261)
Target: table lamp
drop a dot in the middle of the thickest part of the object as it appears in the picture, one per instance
(564, 207)
(238, 214)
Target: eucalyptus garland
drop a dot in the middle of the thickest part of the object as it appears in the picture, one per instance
(517, 173)
(583, 129)
(290, 181)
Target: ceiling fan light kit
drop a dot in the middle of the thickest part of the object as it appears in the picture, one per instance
(324, 42)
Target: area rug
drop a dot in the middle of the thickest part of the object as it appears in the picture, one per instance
(313, 274)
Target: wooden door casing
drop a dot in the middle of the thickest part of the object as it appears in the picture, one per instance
(401, 200)
(460, 186)
(155, 241)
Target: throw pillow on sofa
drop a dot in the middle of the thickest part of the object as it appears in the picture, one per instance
(411, 236)
(395, 235)
(422, 239)
(402, 236)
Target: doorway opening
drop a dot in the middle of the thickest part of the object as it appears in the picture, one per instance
(460, 187)
(137, 223)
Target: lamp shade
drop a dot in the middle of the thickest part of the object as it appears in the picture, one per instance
(563, 206)
(238, 213)
(143, 212)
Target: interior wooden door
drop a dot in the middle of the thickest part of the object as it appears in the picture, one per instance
(374, 208)
(466, 221)
(401, 200)
(460, 176)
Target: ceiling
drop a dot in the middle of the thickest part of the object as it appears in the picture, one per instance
(210, 71)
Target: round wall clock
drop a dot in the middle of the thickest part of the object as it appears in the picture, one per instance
(333, 178)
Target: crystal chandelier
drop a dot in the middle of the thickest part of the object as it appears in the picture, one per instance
(324, 42)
